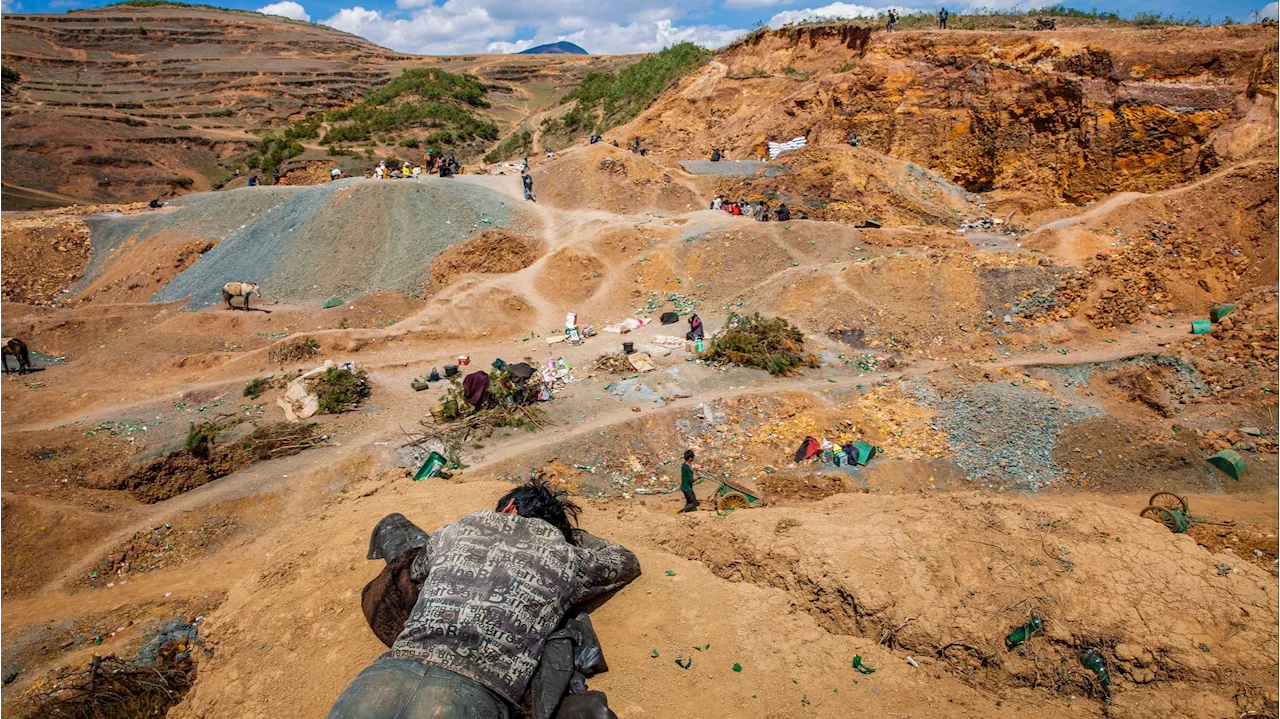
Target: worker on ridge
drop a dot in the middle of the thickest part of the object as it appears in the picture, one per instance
(491, 588)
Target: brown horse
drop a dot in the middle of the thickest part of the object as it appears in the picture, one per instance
(18, 349)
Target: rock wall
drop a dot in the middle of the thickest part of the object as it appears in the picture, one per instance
(1076, 114)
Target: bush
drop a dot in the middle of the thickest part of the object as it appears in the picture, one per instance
(200, 438)
(10, 78)
(256, 387)
(429, 98)
(608, 99)
(516, 144)
(409, 142)
(772, 344)
(341, 390)
(298, 349)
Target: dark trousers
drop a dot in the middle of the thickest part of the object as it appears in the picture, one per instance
(393, 688)
(690, 501)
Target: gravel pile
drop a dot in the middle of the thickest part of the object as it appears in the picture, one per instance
(305, 244)
(1002, 434)
(733, 168)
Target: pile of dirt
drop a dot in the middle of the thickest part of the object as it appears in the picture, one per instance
(853, 185)
(807, 486)
(135, 272)
(603, 177)
(312, 173)
(204, 460)
(42, 258)
(570, 275)
(490, 252)
(613, 363)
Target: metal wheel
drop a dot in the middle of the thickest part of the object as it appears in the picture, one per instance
(1163, 515)
(732, 500)
(1170, 500)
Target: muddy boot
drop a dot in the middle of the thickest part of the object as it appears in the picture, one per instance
(393, 536)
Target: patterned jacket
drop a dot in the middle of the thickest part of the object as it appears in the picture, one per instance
(494, 586)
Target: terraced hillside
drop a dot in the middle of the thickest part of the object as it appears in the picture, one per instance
(124, 103)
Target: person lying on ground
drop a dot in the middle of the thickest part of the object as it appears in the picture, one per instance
(491, 588)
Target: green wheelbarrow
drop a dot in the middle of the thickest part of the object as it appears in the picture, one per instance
(729, 497)
(1174, 512)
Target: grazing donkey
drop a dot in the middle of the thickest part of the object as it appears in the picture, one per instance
(239, 289)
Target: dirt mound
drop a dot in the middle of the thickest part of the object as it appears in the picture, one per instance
(135, 272)
(315, 172)
(853, 185)
(952, 590)
(490, 252)
(42, 258)
(603, 177)
(570, 275)
(340, 239)
(988, 110)
(160, 478)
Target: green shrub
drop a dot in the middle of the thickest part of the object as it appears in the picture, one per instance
(772, 344)
(256, 387)
(409, 142)
(8, 78)
(608, 99)
(516, 144)
(428, 98)
(341, 390)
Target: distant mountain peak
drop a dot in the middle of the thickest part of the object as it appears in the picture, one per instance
(563, 47)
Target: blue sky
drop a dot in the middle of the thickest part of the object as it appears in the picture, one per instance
(440, 27)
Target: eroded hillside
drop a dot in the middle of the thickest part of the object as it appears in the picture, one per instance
(1074, 115)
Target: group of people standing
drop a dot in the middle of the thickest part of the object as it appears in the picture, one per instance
(891, 22)
(760, 210)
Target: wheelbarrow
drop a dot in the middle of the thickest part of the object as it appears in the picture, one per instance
(729, 497)
(1174, 512)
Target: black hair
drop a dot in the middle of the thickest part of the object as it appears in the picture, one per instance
(688, 455)
(537, 500)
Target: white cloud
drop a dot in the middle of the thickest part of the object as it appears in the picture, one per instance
(1270, 10)
(646, 37)
(470, 26)
(286, 8)
(434, 30)
(8, 6)
(834, 10)
(737, 4)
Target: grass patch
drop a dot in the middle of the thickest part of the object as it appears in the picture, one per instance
(430, 99)
(772, 344)
(298, 349)
(341, 390)
(608, 99)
